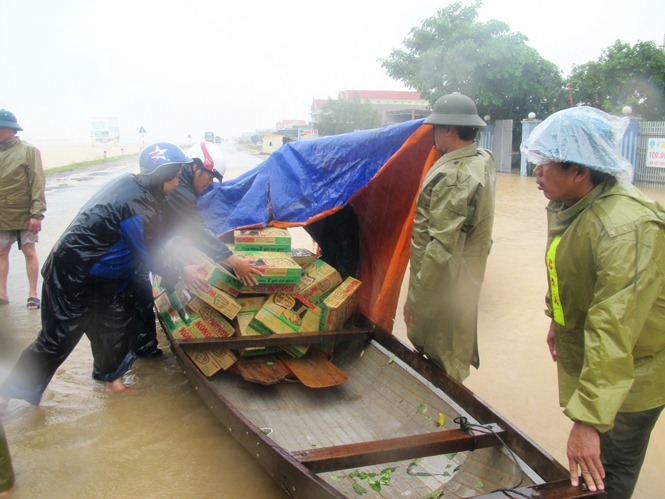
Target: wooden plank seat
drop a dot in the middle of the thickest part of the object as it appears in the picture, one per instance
(388, 450)
(236, 342)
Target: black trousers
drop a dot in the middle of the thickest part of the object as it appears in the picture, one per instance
(623, 448)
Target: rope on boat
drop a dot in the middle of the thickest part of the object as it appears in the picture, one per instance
(467, 427)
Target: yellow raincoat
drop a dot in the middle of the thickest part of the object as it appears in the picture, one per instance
(21, 185)
(451, 240)
(607, 299)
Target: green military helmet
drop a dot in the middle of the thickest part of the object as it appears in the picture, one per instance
(455, 110)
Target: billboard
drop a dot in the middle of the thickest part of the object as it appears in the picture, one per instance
(104, 130)
(656, 153)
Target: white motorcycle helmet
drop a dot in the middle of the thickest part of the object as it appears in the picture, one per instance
(207, 155)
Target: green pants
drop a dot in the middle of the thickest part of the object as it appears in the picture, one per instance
(6, 470)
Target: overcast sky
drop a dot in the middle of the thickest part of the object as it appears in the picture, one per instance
(230, 66)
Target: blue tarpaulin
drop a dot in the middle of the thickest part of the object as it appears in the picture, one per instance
(303, 179)
(378, 172)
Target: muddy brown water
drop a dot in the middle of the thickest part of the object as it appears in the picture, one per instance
(161, 441)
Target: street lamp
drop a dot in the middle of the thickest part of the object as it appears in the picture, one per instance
(627, 110)
(532, 116)
(487, 118)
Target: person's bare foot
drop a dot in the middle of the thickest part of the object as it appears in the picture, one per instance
(116, 386)
(7, 493)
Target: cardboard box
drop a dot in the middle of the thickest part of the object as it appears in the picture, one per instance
(266, 239)
(162, 302)
(318, 278)
(156, 284)
(302, 256)
(179, 298)
(213, 320)
(339, 305)
(214, 273)
(269, 289)
(275, 267)
(172, 321)
(170, 317)
(211, 361)
(287, 314)
(249, 306)
(220, 301)
(182, 333)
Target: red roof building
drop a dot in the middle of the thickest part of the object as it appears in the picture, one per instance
(395, 106)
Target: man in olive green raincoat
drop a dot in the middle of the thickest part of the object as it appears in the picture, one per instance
(22, 204)
(452, 237)
(606, 264)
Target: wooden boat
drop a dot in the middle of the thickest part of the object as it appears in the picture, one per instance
(398, 427)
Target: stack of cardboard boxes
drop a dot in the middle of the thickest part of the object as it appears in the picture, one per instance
(297, 292)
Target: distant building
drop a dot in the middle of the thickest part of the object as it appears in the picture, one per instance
(291, 124)
(395, 106)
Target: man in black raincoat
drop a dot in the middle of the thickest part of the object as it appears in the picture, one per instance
(181, 219)
(87, 278)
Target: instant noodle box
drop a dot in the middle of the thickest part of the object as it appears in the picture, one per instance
(266, 239)
(317, 279)
(250, 305)
(284, 314)
(215, 274)
(275, 267)
(302, 256)
(210, 320)
(340, 304)
(220, 301)
(211, 361)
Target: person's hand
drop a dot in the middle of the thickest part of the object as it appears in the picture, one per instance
(193, 277)
(243, 270)
(410, 318)
(34, 225)
(584, 456)
(551, 344)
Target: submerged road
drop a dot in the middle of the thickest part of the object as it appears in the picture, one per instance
(157, 440)
(161, 441)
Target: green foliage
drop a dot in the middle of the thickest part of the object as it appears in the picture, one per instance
(373, 480)
(453, 52)
(623, 75)
(347, 115)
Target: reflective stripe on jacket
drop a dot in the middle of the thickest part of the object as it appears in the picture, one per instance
(610, 264)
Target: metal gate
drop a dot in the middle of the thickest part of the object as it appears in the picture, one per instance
(498, 138)
(648, 176)
(503, 145)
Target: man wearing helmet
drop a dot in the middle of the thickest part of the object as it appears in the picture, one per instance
(606, 295)
(182, 219)
(87, 277)
(451, 240)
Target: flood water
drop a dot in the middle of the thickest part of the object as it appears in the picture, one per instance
(159, 440)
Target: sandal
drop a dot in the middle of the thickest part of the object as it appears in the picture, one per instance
(34, 303)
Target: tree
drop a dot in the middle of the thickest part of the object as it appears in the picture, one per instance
(623, 75)
(347, 115)
(453, 52)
